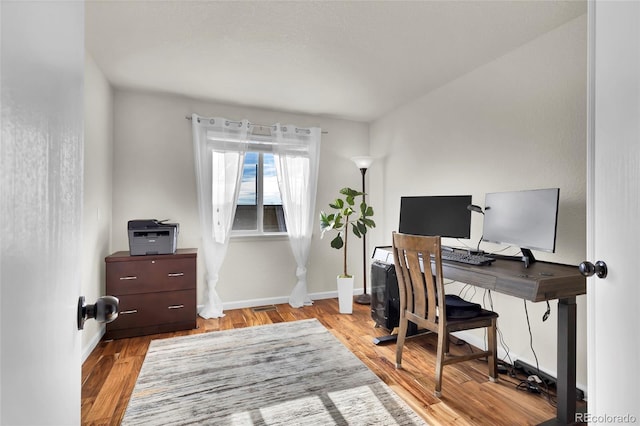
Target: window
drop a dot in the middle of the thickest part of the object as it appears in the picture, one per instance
(259, 209)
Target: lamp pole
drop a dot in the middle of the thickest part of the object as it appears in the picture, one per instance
(363, 164)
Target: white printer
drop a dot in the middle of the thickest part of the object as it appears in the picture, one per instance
(151, 236)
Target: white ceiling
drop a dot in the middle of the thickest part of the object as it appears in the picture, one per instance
(355, 60)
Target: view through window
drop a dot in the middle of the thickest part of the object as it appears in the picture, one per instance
(259, 208)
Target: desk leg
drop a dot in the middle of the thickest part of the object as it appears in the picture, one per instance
(566, 385)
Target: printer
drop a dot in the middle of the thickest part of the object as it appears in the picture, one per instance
(151, 236)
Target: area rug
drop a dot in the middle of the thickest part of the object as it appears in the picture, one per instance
(293, 373)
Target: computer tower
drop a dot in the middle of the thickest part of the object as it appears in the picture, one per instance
(384, 306)
(385, 297)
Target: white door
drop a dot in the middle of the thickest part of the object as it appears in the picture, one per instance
(613, 211)
(42, 67)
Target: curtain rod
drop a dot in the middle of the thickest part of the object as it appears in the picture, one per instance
(254, 124)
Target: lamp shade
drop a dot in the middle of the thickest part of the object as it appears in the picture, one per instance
(363, 162)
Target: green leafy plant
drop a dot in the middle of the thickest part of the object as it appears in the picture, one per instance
(347, 216)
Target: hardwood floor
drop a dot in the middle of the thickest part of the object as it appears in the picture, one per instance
(468, 397)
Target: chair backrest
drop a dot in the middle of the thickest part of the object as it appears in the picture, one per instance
(416, 259)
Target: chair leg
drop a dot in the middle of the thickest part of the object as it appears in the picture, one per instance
(492, 343)
(446, 345)
(402, 333)
(443, 337)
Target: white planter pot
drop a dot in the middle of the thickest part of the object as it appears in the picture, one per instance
(345, 294)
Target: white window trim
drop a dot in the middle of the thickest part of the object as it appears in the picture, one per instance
(271, 236)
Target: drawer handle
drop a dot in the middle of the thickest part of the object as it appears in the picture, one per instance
(176, 306)
(176, 274)
(133, 311)
(131, 277)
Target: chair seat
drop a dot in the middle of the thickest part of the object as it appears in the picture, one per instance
(484, 319)
(459, 308)
(484, 314)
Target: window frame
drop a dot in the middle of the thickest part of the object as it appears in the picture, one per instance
(258, 233)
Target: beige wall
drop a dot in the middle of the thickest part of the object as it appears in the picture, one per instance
(154, 178)
(518, 122)
(98, 170)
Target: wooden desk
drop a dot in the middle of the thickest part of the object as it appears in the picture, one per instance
(541, 281)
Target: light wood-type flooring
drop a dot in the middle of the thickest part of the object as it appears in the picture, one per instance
(468, 397)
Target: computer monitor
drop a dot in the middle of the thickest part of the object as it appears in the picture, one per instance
(443, 215)
(527, 219)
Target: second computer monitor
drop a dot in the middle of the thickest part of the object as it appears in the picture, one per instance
(527, 219)
(443, 215)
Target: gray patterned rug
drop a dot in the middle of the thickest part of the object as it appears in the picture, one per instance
(294, 373)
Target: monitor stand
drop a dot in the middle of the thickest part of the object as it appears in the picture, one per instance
(527, 257)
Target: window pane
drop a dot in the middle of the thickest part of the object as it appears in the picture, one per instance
(271, 190)
(248, 185)
(273, 218)
(246, 217)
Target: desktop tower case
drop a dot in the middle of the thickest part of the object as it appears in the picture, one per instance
(385, 297)
(384, 306)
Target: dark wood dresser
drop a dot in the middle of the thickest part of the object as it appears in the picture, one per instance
(157, 293)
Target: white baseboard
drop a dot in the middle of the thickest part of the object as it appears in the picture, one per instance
(86, 351)
(252, 303)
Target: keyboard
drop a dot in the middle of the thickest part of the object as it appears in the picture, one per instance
(464, 257)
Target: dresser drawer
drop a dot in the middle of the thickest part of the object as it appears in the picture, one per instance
(142, 276)
(157, 293)
(142, 310)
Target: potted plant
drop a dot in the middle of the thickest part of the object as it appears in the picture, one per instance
(346, 218)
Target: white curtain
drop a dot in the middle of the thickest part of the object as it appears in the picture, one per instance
(219, 146)
(297, 156)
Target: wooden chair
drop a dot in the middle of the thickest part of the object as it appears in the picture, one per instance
(420, 304)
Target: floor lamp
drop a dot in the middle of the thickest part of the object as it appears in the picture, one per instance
(363, 164)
